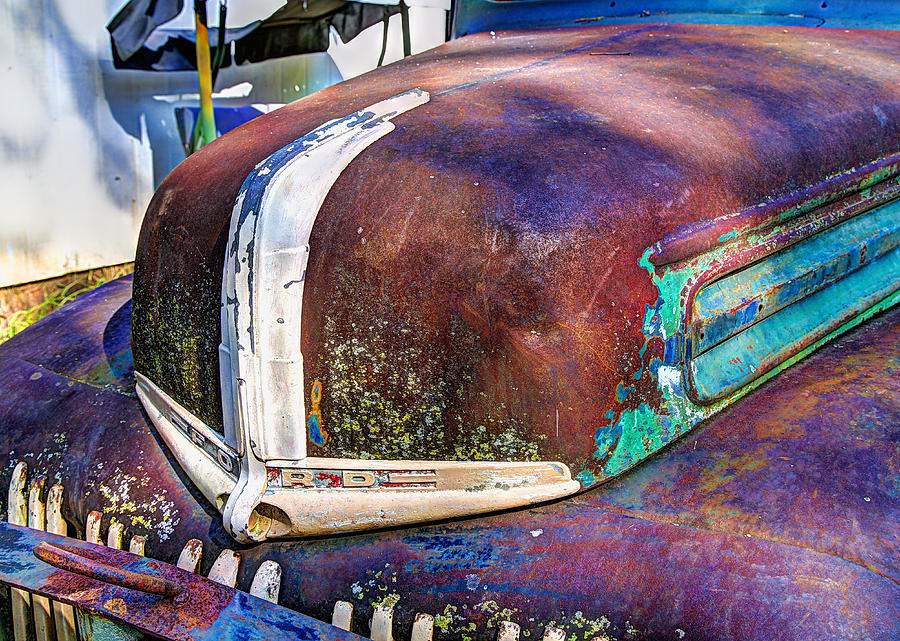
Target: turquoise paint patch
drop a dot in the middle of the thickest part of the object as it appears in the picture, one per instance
(638, 432)
(732, 364)
(607, 436)
(586, 478)
(732, 304)
(724, 238)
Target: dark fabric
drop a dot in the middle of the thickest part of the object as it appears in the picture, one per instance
(296, 28)
(177, 53)
(279, 42)
(358, 16)
(136, 21)
(289, 33)
(175, 50)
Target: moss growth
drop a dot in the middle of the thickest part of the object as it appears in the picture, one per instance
(172, 347)
(387, 395)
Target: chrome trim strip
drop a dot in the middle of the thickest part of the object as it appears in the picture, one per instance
(187, 436)
(267, 491)
(265, 264)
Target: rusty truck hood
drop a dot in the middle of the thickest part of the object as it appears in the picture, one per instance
(498, 249)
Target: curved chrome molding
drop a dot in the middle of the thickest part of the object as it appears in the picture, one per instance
(322, 495)
(265, 267)
(201, 452)
(278, 492)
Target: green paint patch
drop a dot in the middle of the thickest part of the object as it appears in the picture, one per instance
(496, 613)
(579, 627)
(157, 515)
(455, 625)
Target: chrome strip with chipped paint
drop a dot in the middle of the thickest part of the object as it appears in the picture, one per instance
(277, 493)
(276, 489)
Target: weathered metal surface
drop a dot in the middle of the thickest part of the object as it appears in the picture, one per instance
(37, 519)
(63, 615)
(202, 610)
(266, 582)
(190, 556)
(851, 188)
(96, 351)
(225, 568)
(494, 247)
(261, 365)
(262, 295)
(93, 569)
(778, 518)
(472, 16)
(733, 303)
(423, 628)
(342, 615)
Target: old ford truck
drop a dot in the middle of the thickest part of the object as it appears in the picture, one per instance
(580, 326)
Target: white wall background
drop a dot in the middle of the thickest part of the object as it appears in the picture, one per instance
(83, 145)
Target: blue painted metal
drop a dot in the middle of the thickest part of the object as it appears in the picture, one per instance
(749, 322)
(764, 345)
(731, 304)
(203, 610)
(475, 16)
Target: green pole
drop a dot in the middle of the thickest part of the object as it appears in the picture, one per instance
(384, 36)
(204, 74)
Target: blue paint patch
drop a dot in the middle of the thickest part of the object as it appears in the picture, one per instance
(586, 478)
(747, 315)
(672, 353)
(606, 437)
(622, 392)
(724, 238)
(315, 430)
